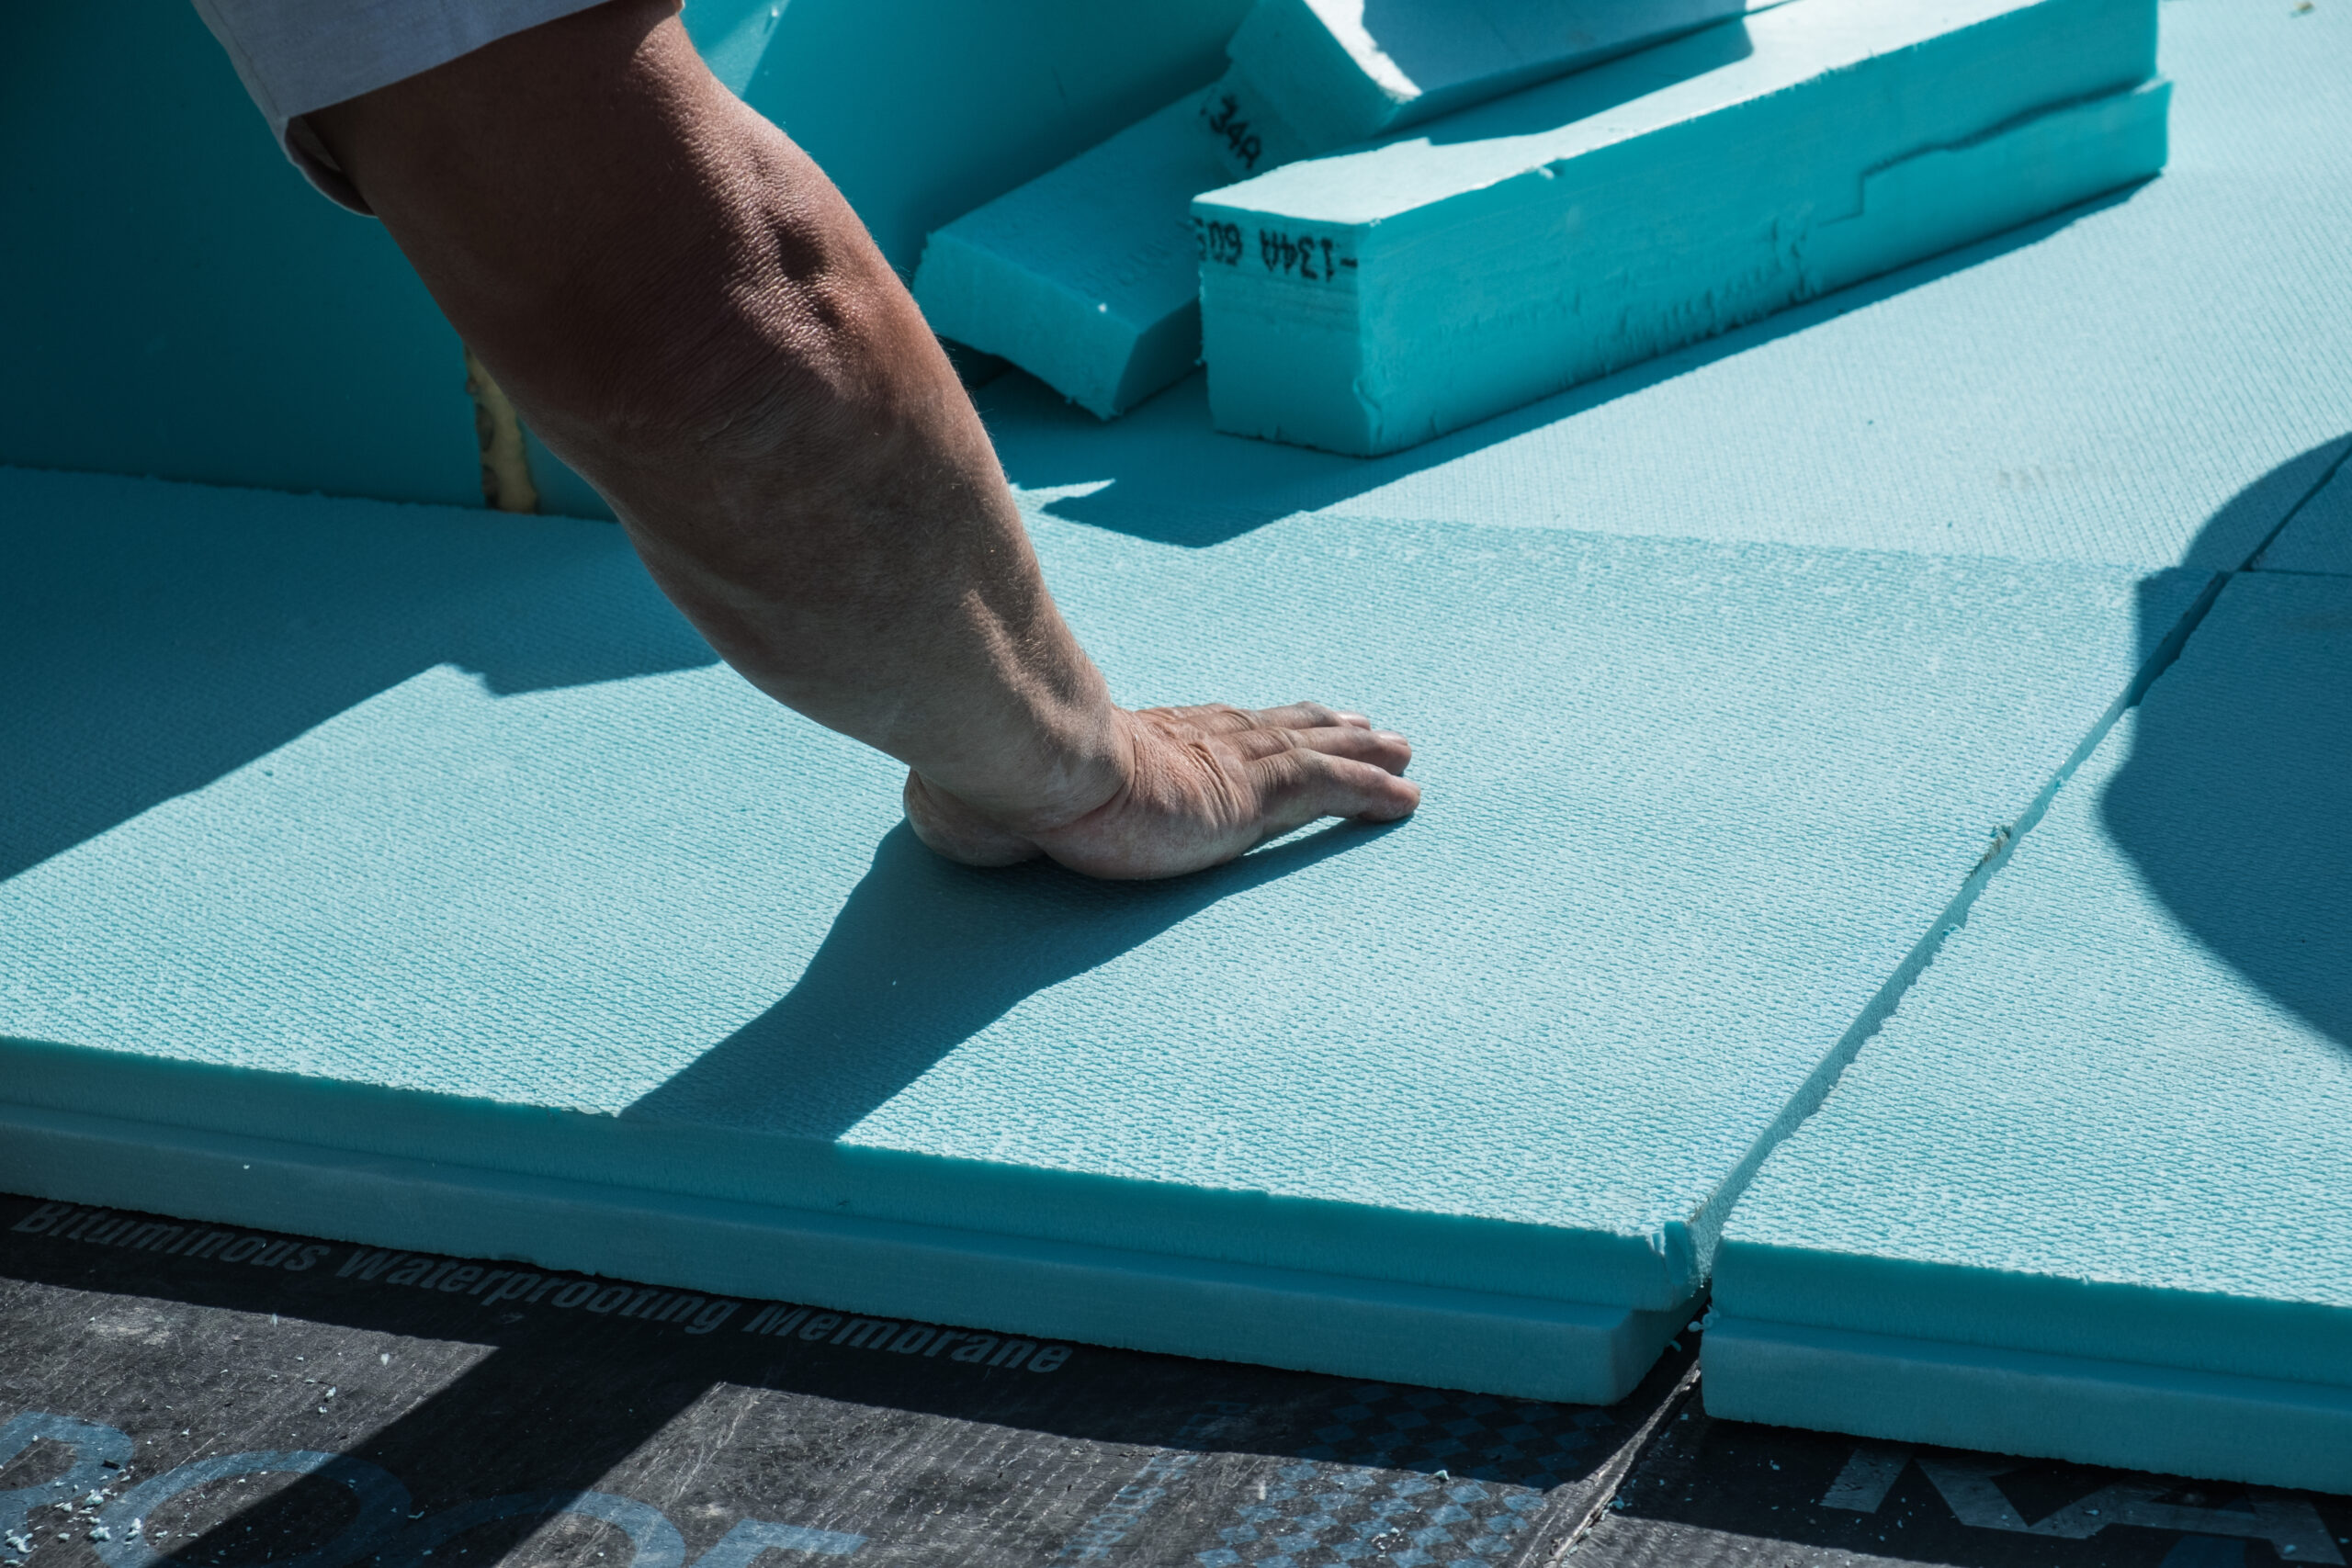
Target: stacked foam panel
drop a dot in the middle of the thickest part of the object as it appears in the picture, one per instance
(1311, 75)
(1368, 300)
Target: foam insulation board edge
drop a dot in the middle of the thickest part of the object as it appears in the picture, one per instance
(1481, 1341)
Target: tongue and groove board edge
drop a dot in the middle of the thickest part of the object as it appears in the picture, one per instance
(1129, 1300)
(1085, 277)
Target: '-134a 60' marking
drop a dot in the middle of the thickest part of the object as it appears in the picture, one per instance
(1311, 258)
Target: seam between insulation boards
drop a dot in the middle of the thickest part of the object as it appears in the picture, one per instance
(2272, 537)
(1709, 1220)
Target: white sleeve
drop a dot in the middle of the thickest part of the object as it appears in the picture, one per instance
(298, 55)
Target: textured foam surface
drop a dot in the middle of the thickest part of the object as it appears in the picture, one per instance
(1397, 292)
(2319, 537)
(2109, 1126)
(1311, 75)
(2107, 384)
(433, 837)
(1084, 277)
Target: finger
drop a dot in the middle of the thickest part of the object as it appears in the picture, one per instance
(1309, 715)
(1383, 748)
(1300, 785)
(1224, 719)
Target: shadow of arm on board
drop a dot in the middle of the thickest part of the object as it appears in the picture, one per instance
(924, 955)
(155, 637)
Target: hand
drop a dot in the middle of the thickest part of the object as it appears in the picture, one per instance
(1201, 786)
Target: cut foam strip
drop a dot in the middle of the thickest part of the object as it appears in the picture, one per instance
(426, 862)
(2084, 1196)
(1312, 76)
(1367, 301)
(1086, 277)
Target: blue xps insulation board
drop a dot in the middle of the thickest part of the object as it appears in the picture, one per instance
(1366, 301)
(1084, 277)
(415, 876)
(2084, 1196)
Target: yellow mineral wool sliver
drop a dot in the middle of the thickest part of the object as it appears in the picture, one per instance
(505, 465)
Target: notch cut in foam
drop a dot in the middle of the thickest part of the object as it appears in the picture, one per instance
(427, 862)
(1308, 76)
(2082, 1196)
(1368, 300)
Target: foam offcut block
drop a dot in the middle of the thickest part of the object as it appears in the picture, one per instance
(1368, 300)
(1086, 277)
(418, 878)
(1311, 75)
(2084, 1195)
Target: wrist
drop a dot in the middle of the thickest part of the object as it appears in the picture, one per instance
(997, 820)
(1060, 766)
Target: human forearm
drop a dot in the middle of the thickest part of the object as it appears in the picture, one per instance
(686, 311)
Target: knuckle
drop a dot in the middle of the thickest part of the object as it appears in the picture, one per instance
(1284, 775)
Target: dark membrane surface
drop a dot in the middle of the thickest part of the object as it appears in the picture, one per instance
(302, 1402)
